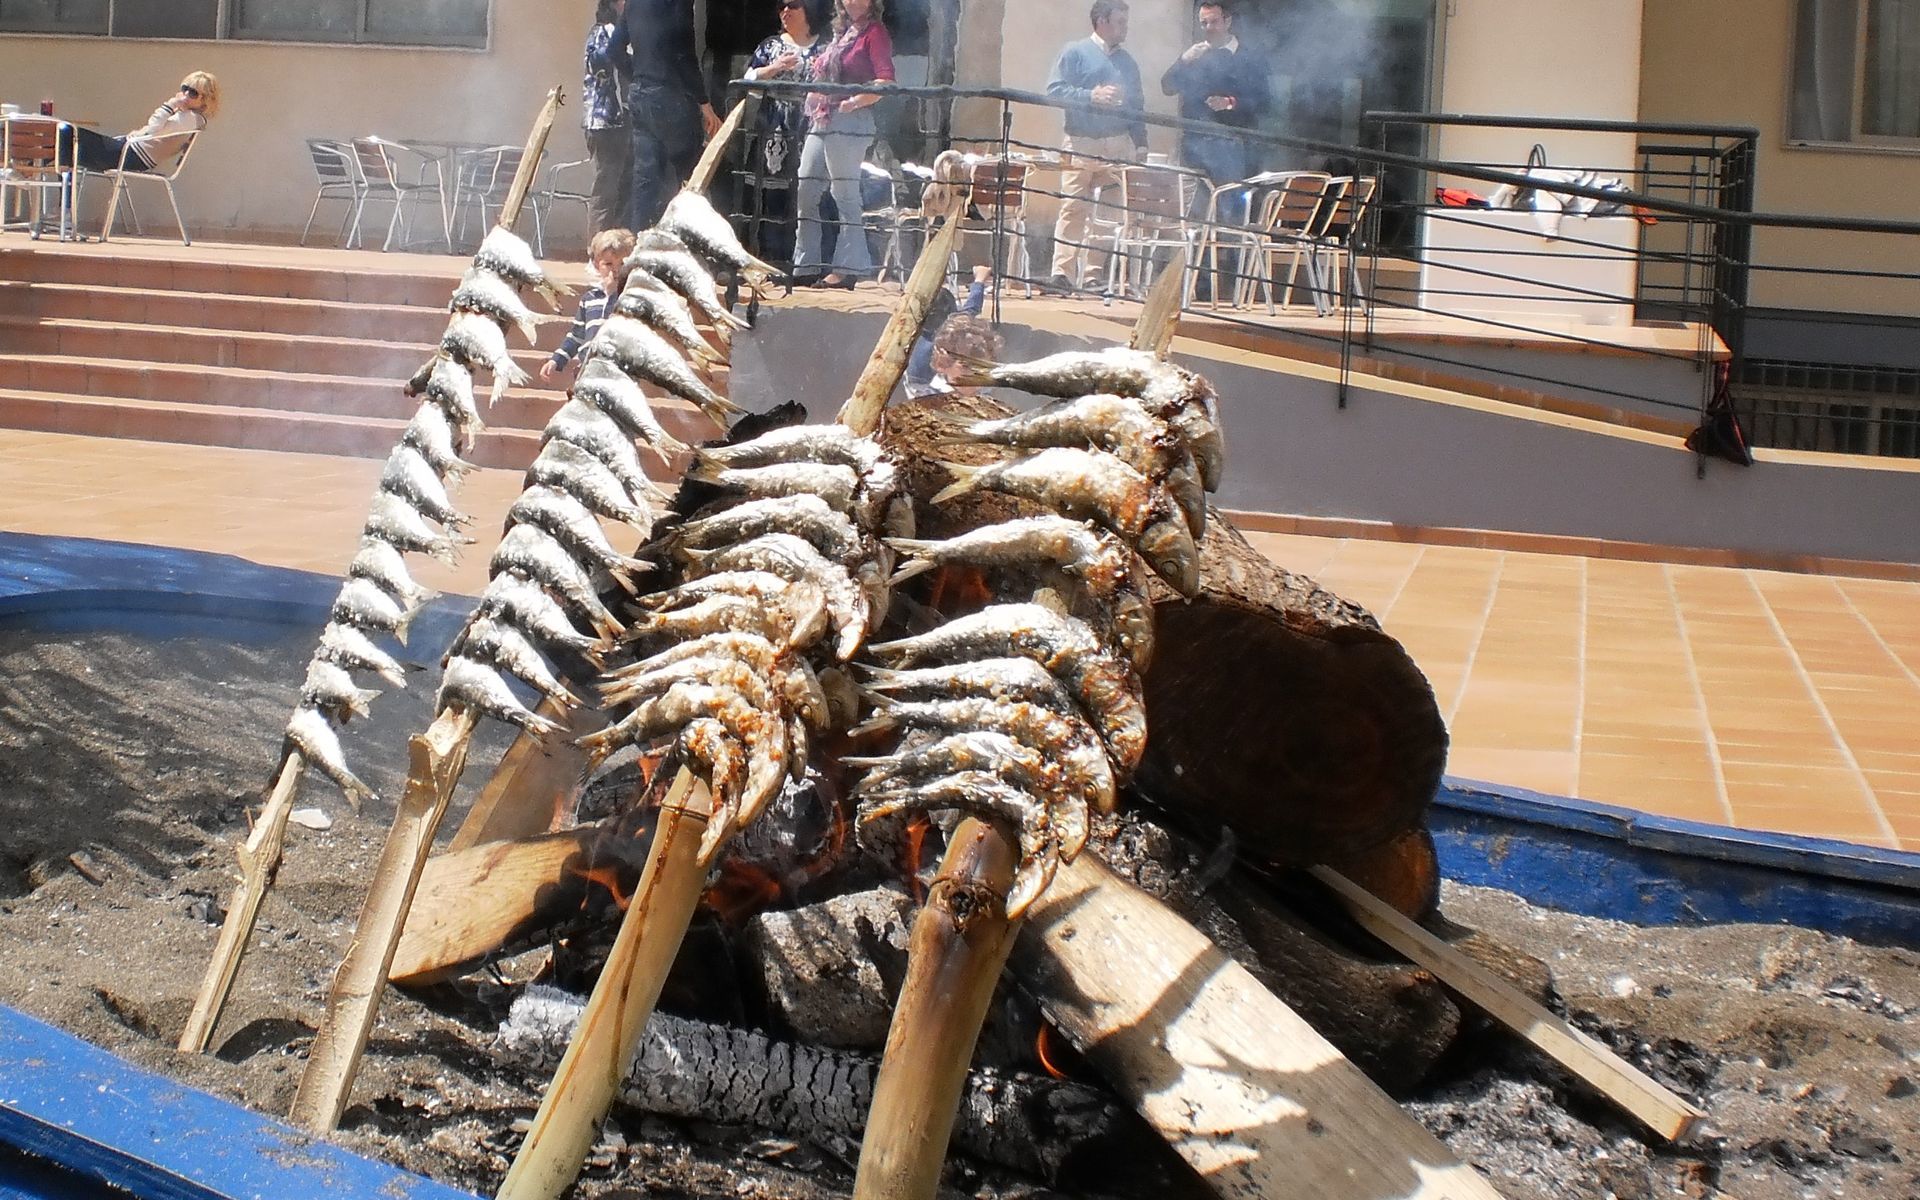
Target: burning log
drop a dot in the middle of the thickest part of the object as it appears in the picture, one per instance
(683, 1068)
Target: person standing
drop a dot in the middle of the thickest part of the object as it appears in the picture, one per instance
(839, 130)
(1222, 83)
(604, 118)
(782, 127)
(1101, 137)
(667, 107)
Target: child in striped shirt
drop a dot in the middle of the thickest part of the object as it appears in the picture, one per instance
(606, 254)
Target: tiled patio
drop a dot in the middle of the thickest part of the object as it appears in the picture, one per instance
(1767, 700)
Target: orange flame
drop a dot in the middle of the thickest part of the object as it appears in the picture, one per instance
(1041, 1052)
(741, 890)
(607, 876)
(917, 829)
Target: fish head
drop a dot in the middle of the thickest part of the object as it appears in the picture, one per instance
(1167, 544)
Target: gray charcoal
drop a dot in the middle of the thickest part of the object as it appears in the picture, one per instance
(830, 971)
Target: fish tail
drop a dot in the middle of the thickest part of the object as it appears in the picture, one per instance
(528, 329)
(728, 321)
(717, 406)
(704, 469)
(964, 480)
(553, 293)
(400, 626)
(911, 568)
(445, 551)
(875, 724)
(975, 371)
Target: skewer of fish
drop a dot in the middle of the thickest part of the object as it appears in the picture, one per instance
(766, 592)
(412, 512)
(1027, 713)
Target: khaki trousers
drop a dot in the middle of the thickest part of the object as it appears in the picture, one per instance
(1077, 211)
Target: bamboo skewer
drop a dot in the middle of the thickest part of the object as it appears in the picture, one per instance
(961, 939)
(437, 758)
(259, 863)
(861, 413)
(260, 856)
(930, 1041)
(591, 1072)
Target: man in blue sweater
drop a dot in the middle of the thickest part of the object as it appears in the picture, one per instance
(1102, 136)
(1221, 82)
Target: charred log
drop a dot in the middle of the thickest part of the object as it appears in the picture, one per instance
(686, 1068)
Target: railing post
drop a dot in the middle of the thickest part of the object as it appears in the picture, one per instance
(1000, 208)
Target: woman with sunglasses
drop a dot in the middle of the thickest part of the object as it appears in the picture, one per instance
(788, 54)
(164, 135)
(839, 130)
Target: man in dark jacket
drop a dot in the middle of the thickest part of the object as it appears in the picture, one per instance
(666, 101)
(1221, 82)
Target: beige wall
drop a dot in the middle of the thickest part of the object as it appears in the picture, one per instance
(1727, 61)
(251, 170)
(1549, 58)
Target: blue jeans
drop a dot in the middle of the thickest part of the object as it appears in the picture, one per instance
(830, 163)
(666, 144)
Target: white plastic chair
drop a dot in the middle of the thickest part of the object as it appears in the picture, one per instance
(338, 176)
(122, 177)
(380, 170)
(31, 163)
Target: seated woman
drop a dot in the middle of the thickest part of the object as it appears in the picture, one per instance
(163, 136)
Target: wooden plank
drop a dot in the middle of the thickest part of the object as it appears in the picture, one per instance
(438, 756)
(708, 168)
(1620, 1081)
(1160, 316)
(533, 781)
(1240, 1085)
(471, 901)
(530, 159)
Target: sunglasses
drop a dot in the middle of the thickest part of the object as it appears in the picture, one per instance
(785, 7)
(191, 93)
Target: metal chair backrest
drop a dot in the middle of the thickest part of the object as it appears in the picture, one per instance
(997, 184)
(1291, 206)
(1323, 216)
(1350, 213)
(332, 162)
(490, 172)
(1152, 197)
(376, 164)
(33, 146)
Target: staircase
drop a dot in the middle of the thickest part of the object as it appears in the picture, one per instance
(253, 347)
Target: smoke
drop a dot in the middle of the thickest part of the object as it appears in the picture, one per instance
(1333, 58)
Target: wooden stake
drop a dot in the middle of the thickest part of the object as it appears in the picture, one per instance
(960, 944)
(530, 159)
(437, 758)
(590, 1074)
(1160, 316)
(861, 413)
(708, 168)
(259, 863)
(1243, 1088)
(1620, 1081)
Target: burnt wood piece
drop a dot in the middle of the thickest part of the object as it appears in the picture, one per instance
(1276, 707)
(1404, 872)
(692, 1069)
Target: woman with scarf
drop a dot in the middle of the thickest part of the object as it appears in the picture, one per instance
(840, 127)
(787, 55)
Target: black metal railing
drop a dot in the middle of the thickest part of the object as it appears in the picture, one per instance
(1681, 256)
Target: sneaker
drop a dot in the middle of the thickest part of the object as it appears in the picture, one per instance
(1061, 285)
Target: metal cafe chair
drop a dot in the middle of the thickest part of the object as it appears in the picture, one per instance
(997, 202)
(550, 193)
(338, 177)
(485, 177)
(901, 214)
(1292, 219)
(1346, 226)
(122, 177)
(378, 161)
(1241, 237)
(31, 163)
(1154, 203)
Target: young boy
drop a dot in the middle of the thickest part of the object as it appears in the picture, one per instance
(921, 375)
(606, 253)
(962, 337)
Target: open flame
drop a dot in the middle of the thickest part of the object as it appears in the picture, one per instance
(1042, 1050)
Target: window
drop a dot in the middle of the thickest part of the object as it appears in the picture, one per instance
(403, 22)
(1856, 72)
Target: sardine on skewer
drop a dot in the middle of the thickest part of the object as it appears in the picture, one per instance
(601, 436)
(408, 475)
(310, 732)
(478, 685)
(534, 611)
(512, 651)
(432, 434)
(329, 687)
(647, 299)
(508, 255)
(570, 523)
(692, 218)
(349, 647)
(986, 795)
(483, 291)
(477, 342)
(449, 383)
(667, 259)
(365, 605)
(613, 391)
(535, 555)
(832, 443)
(381, 562)
(398, 523)
(565, 467)
(645, 355)
(795, 560)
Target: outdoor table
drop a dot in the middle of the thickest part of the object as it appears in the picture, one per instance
(449, 158)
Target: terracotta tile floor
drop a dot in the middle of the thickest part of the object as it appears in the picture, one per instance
(1753, 698)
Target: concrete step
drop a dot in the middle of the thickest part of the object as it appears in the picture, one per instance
(245, 314)
(361, 358)
(244, 428)
(358, 284)
(239, 387)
